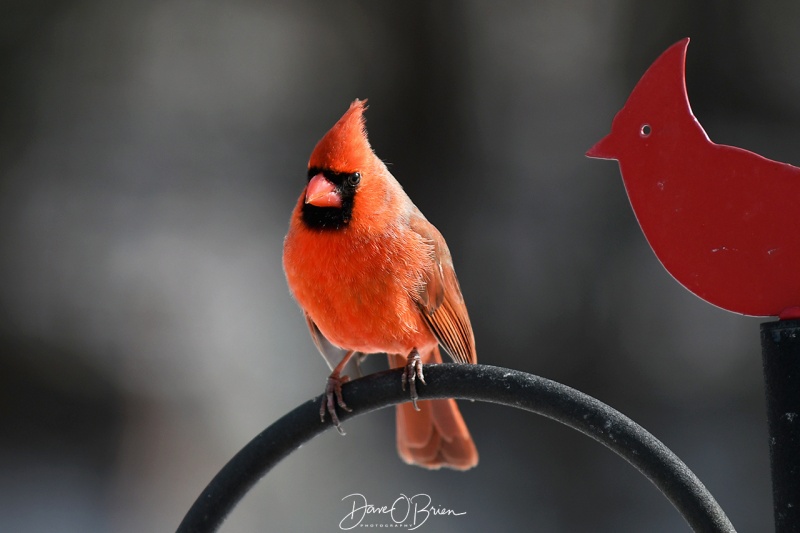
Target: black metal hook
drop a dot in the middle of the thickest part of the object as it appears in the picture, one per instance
(470, 382)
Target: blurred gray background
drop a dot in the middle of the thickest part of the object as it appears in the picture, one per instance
(150, 156)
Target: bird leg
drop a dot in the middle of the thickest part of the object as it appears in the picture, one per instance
(333, 389)
(412, 372)
(360, 359)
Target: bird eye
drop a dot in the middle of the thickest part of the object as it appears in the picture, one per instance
(354, 178)
(645, 130)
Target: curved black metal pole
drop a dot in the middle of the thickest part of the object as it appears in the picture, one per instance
(780, 346)
(474, 382)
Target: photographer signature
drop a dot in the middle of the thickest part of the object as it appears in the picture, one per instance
(409, 512)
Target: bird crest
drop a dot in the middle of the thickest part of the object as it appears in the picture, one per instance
(661, 92)
(657, 108)
(345, 147)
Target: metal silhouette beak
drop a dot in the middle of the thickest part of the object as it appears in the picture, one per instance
(603, 149)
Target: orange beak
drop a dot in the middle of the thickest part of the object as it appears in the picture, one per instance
(322, 193)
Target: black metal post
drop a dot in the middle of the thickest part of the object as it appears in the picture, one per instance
(780, 345)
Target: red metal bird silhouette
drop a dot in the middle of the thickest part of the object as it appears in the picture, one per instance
(723, 221)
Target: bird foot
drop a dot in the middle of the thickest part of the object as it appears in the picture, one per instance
(332, 398)
(412, 372)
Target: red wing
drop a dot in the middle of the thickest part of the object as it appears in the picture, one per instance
(440, 299)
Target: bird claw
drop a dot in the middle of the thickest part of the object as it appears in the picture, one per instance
(332, 398)
(412, 372)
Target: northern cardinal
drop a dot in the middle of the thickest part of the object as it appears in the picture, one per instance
(723, 221)
(372, 275)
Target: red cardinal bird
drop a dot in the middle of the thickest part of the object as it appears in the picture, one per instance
(372, 275)
(723, 221)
